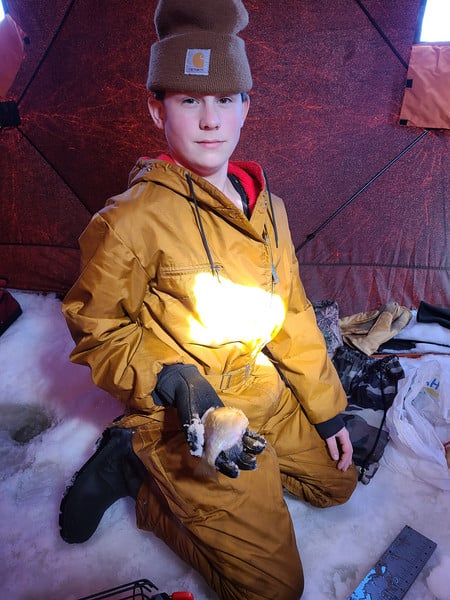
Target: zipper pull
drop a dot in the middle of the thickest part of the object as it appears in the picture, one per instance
(275, 278)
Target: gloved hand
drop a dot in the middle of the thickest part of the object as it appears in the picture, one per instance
(195, 400)
(241, 456)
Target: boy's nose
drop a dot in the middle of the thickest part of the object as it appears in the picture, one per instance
(209, 118)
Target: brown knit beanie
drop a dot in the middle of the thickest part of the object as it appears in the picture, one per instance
(198, 50)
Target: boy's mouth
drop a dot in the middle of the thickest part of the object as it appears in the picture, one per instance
(210, 143)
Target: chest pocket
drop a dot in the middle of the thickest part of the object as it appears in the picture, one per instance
(180, 281)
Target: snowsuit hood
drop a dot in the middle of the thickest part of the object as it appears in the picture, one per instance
(250, 174)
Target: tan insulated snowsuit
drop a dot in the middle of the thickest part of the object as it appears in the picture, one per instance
(173, 272)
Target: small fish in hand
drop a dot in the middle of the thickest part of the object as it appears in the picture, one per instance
(224, 428)
(228, 445)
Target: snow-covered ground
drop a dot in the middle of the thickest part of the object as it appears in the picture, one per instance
(50, 417)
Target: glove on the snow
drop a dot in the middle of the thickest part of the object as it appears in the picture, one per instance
(182, 387)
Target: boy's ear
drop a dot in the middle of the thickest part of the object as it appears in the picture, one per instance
(156, 109)
(245, 109)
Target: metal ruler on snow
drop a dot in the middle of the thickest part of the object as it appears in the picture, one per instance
(397, 568)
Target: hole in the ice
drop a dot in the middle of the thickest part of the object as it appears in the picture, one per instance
(24, 422)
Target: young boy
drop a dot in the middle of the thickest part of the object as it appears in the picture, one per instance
(189, 301)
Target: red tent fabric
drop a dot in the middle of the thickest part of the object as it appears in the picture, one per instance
(368, 198)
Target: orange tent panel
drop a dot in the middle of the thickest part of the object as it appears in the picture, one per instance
(426, 101)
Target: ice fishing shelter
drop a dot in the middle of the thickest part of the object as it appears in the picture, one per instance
(368, 197)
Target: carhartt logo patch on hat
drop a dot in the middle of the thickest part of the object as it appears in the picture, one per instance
(197, 61)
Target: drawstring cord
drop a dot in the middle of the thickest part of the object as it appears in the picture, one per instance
(214, 268)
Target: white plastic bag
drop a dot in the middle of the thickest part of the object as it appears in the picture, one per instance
(419, 425)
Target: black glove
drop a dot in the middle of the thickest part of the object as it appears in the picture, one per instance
(182, 387)
(241, 456)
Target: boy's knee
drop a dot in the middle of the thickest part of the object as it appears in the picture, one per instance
(333, 488)
(341, 488)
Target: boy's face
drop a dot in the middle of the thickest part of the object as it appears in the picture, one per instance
(201, 131)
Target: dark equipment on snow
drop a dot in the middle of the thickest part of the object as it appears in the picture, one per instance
(137, 590)
(397, 568)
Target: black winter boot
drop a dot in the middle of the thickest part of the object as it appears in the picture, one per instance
(113, 472)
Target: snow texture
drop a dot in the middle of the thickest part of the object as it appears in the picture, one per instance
(51, 414)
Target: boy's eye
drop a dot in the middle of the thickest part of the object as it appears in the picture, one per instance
(189, 100)
(225, 100)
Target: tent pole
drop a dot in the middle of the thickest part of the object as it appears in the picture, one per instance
(312, 235)
(381, 32)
